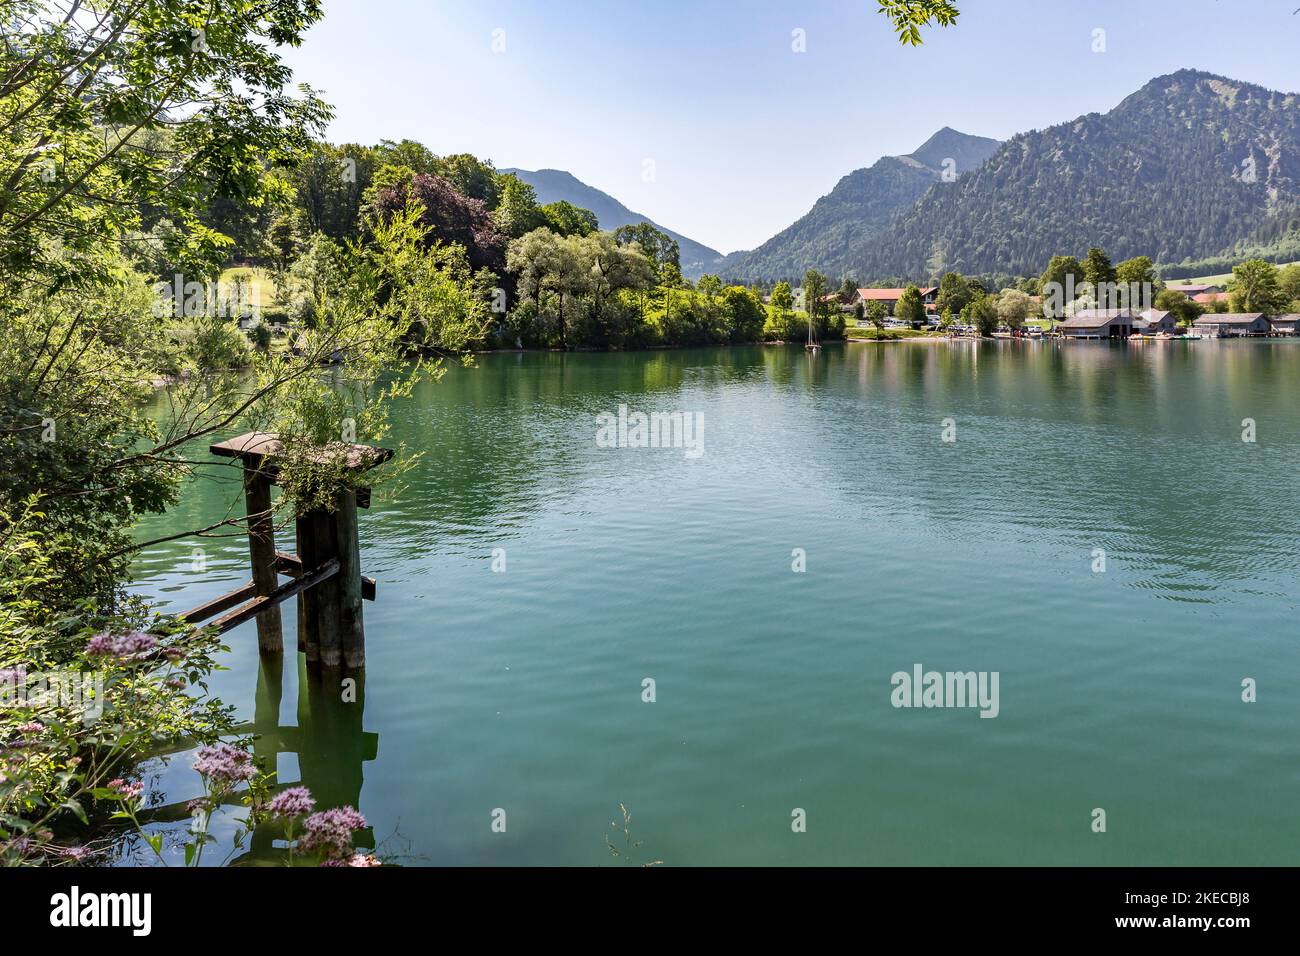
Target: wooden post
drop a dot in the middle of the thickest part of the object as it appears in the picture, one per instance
(325, 535)
(352, 632)
(308, 611)
(261, 551)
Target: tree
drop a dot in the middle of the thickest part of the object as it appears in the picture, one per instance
(661, 248)
(876, 315)
(517, 211)
(1184, 309)
(815, 291)
(282, 247)
(709, 285)
(747, 315)
(473, 178)
(106, 114)
(610, 266)
(329, 186)
(1289, 282)
(954, 292)
(1138, 275)
(414, 156)
(910, 308)
(1059, 283)
(982, 314)
(448, 216)
(1098, 270)
(782, 297)
(1013, 307)
(1255, 287)
(565, 218)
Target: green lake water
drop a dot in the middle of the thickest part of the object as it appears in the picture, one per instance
(523, 691)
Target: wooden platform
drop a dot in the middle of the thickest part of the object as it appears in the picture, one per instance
(262, 448)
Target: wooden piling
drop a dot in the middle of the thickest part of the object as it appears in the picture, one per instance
(329, 584)
(308, 612)
(328, 603)
(261, 551)
(352, 633)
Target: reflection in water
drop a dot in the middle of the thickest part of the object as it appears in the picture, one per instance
(329, 742)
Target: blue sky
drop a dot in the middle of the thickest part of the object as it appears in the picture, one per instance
(743, 132)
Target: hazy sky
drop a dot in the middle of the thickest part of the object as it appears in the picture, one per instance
(745, 133)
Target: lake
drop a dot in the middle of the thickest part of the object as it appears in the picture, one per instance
(522, 689)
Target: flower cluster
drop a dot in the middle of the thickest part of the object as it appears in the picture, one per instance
(225, 765)
(294, 802)
(122, 646)
(329, 833)
(357, 859)
(130, 791)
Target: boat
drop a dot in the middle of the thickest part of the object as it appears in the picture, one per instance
(811, 345)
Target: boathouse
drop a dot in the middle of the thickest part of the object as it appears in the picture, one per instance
(1227, 325)
(1098, 324)
(1155, 322)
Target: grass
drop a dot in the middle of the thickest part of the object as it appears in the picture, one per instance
(261, 286)
(1220, 279)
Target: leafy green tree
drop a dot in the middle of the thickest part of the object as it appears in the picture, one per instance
(283, 244)
(408, 153)
(565, 218)
(782, 297)
(472, 177)
(815, 290)
(1289, 282)
(659, 246)
(1184, 309)
(982, 314)
(954, 292)
(329, 186)
(876, 315)
(610, 266)
(517, 211)
(1256, 287)
(1013, 307)
(747, 315)
(910, 308)
(709, 285)
(1097, 268)
(109, 112)
(1060, 284)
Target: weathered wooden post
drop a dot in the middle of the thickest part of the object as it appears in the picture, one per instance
(261, 552)
(352, 634)
(331, 586)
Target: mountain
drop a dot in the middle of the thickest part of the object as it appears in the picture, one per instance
(553, 185)
(833, 236)
(1187, 167)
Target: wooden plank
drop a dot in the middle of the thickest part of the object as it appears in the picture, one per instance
(218, 604)
(291, 565)
(250, 610)
(266, 446)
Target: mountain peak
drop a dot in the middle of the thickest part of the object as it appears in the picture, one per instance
(964, 150)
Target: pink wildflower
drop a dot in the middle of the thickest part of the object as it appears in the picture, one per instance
(293, 802)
